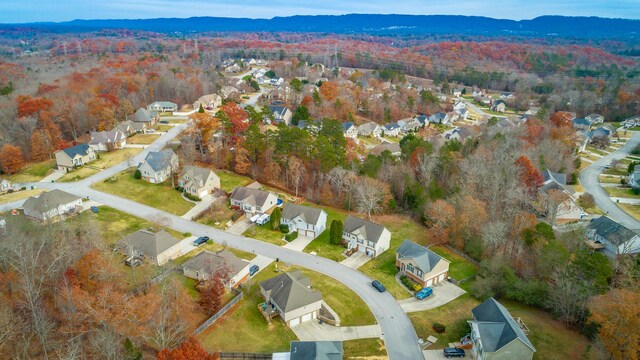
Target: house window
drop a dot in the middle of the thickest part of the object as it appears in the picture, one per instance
(371, 243)
(360, 241)
(419, 273)
(410, 267)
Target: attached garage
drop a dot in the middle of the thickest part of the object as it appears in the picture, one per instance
(307, 233)
(306, 317)
(441, 278)
(429, 282)
(203, 193)
(294, 322)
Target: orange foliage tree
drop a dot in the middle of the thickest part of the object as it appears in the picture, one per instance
(618, 314)
(529, 175)
(190, 349)
(11, 159)
(212, 293)
(561, 119)
(329, 90)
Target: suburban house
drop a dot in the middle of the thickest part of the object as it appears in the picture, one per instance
(633, 180)
(198, 181)
(595, 118)
(291, 296)
(208, 102)
(497, 335)
(565, 207)
(349, 130)
(281, 114)
(313, 350)
(365, 236)
(615, 237)
(129, 128)
(5, 185)
(252, 200)
(158, 166)
(162, 106)
(421, 264)
(370, 129)
(225, 263)
(159, 247)
(498, 106)
(439, 118)
(459, 133)
(73, 157)
(228, 91)
(308, 221)
(144, 116)
(392, 129)
(506, 95)
(107, 140)
(409, 124)
(54, 205)
(393, 148)
(581, 124)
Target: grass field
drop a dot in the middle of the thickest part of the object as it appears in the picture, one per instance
(33, 172)
(622, 193)
(364, 349)
(163, 127)
(19, 195)
(107, 160)
(459, 267)
(142, 139)
(230, 181)
(160, 196)
(321, 244)
(608, 179)
(633, 210)
(264, 233)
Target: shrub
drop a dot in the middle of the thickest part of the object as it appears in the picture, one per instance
(23, 188)
(9, 191)
(284, 228)
(623, 181)
(180, 188)
(417, 287)
(276, 215)
(236, 215)
(335, 232)
(439, 328)
(291, 236)
(192, 197)
(186, 234)
(137, 175)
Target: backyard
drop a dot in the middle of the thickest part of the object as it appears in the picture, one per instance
(33, 172)
(142, 139)
(230, 181)
(107, 160)
(631, 209)
(160, 196)
(321, 244)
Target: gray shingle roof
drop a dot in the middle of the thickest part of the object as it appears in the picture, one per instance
(557, 177)
(163, 104)
(581, 121)
(142, 115)
(103, 137)
(496, 326)
(290, 291)
(77, 150)
(316, 350)
(392, 126)
(370, 230)
(614, 232)
(147, 242)
(249, 196)
(159, 160)
(48, 200)
(209, 262)
(423, 257)
(346, 126)
(199, 174)
(310, 215)
(278, 109)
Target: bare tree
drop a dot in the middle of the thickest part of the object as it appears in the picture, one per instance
(168, 327)
(368, 196)
(296, 172)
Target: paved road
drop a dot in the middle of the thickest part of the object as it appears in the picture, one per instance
(479, 111)
(589, 178)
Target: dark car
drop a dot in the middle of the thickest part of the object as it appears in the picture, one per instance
(453, 352)
(253, 269)
(200, 241)
(376, 284)
(95, 209)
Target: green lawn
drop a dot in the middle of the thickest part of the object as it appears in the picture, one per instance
(357, 349)
(596, 151)
(216, 216)
(611, 171)
(107, 160)
(264, 233)
(452, 315)
(32, 172)
(160, 196)
(163, 127)
(142, 139)
(609, 179)
(622, 193)
(459, 267)
(19, 195)
(633, 210)
(230, 181)
(321, 244)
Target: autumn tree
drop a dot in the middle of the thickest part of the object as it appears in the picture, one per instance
(369, 195)
(243, 164)
(439, 215)
(190, 349)
(212, 293)
(41, 146)
(296, 172)
(617, 314)
(529, 175)
(11, 159)
(329, 90)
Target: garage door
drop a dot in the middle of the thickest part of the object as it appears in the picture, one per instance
(441, 278)
(310, 233)
(429, 282)
(294, 322)
(306, 318)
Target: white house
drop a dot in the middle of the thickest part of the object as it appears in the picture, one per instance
(281, 114)
(308, 221)
(208, 102)
(162, 106)
(52, 206)
(392, 129)
(350, 130)
(365, 236)
(370, 129)
(107, 140)
(252, 201)
(616, 238)
(158, 166)
(198, 181)
(5, 185)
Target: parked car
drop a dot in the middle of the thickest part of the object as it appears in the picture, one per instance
(253, 269)
(263, 219)
(164, 121)
(453, 352)
(133, 261)
(200, 241)
(95, 209)
(424, 293)
(376, 284)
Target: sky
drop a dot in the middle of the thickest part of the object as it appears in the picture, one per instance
(20, 11)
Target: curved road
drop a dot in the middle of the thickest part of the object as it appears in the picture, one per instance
(589, 178)
(399, 335)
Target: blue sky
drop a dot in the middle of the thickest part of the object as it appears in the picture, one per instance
(16, 11)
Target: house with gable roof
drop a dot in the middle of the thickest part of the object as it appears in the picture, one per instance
(307, 221)
(198, 181)
(392, 129)
(281, 114)
(162, 106)
(145, 117)
(365, 236)
(616, 238)
(51, 206)
(252, 201)
(370, 129)
(159, 247)
(421, 264)
(349, 130)
(314, 350)
(291, 297)
(206, 264)
(107, 140)
(73, 157)
(158, 166)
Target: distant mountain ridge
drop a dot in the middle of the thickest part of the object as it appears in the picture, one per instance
(563, 26)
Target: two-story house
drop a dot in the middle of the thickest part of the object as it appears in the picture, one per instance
(162, 106)
(392, 129)
(349, 130)
(308, 221)
(158, 166)
(70, 158)
(281, 114)
(252, 201)
(370, 129)
(365, 236)
(198, 181)
(421, 264)
(291, 296)
(616, 238)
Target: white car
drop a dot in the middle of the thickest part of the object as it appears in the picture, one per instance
(263, 219)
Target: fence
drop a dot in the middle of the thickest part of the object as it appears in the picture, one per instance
(244, 356)
(463, 255)
(219, 314)
(143, 287)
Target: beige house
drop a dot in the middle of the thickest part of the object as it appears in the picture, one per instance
(252, 200)
(291, 296)
(158, 166)
(73, 157)
(365, 236)
(107, 140)
(421, 264)
(158, 247)
(198, 181)
(5, 185)
(208, 102)
(54, 205)
(146, 117)
(206, 263)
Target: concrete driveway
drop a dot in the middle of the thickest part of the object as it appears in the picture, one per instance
(240, 226)
(437, 355)
(442, 294)
(314, 331)
(299, 243)
(356, 260)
